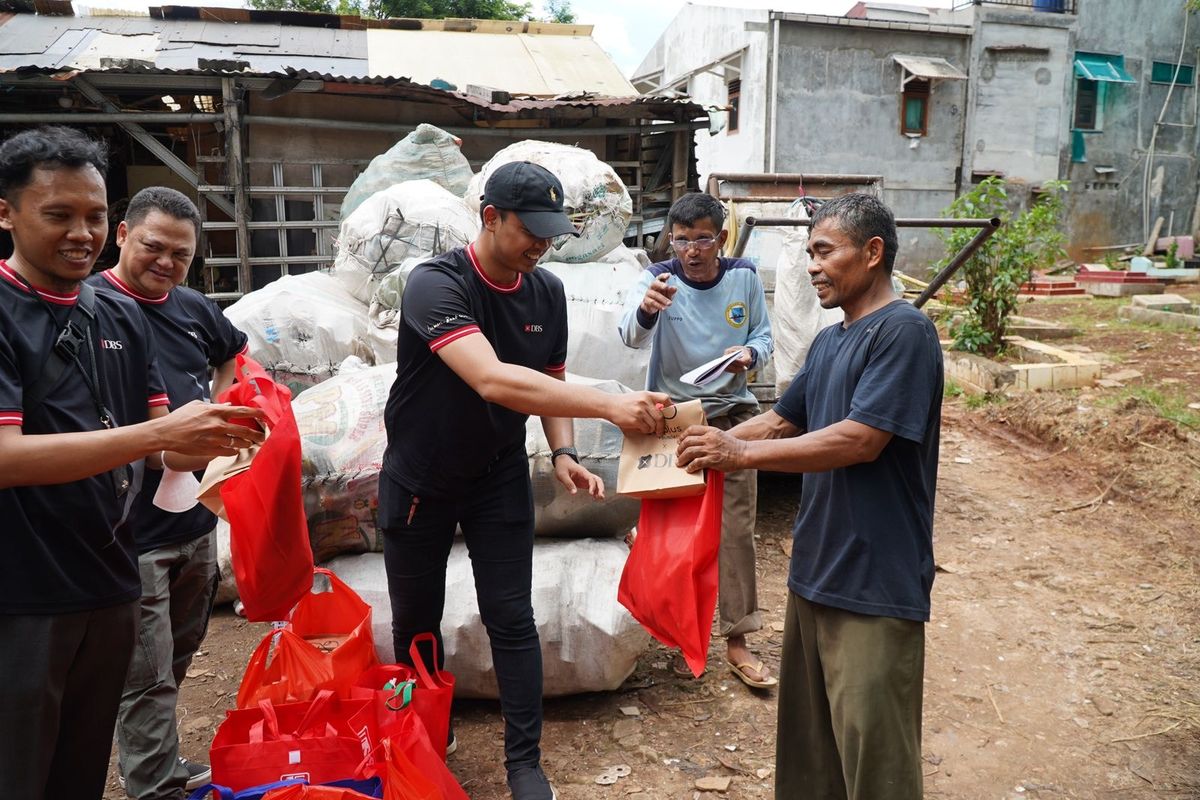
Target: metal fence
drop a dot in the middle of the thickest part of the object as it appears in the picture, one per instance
(1052, 6)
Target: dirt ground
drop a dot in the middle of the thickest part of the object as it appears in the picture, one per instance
(1063, 656)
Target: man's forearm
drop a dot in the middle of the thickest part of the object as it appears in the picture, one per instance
(840, 445)
(44, 459)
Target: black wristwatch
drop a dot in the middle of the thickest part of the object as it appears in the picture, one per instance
(565, 451)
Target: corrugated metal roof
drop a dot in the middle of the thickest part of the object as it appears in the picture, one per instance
(517, 62)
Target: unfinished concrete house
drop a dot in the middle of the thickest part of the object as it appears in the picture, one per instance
(1100, 93)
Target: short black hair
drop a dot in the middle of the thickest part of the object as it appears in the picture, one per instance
(862, 217)
(160, 198)
(695, 206)
(47, 147)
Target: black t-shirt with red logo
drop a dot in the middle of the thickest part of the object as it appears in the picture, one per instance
(63, 549)
(442, 436)
(191, 335)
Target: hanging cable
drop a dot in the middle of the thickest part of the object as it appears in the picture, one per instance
(1158, 124)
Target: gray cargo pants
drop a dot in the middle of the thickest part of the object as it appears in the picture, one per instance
(738, 586)
(178, 584)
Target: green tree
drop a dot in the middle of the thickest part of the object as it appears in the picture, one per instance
(560, 11)
(995, 272)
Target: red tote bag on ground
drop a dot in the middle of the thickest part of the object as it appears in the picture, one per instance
(324, 740)
(268, 532)
(670, 580)
(330, 646)
(432, 696)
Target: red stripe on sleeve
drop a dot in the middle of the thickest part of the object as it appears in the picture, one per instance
(159, 400)
(11, 418)
(452, 336)
(556, 368)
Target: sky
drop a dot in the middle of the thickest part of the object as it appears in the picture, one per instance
(626, 29)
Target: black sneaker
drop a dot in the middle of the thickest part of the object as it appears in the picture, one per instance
(529, 783)
(198, 774)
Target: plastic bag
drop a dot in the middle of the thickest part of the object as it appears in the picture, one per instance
(329, 644)
(367, 787)
(426, 153)
(302, 327)
(272, 561)
(414, 219)
(670, 580)
(594, 196)
(325, 739)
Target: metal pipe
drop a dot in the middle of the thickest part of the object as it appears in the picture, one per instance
(958, 261)
(150, 117)
(525, 133)
(987, 226)
(792, 177)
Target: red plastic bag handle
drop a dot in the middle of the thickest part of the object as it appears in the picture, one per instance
(419, 663)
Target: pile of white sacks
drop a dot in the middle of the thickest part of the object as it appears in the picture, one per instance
(331, 337)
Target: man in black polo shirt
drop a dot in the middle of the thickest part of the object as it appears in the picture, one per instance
(862, 420)
(483, 346)
(73, 416)
(177, 554)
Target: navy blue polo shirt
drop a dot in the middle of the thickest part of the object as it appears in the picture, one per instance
(63, 551)
(442, 435)
(863, 539)
(191, 335)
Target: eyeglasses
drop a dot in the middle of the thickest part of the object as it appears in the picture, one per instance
(703, 244)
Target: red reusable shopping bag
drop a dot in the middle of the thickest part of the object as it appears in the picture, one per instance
(304, 791)
(322, 740)
(669, 583)
(433, 693)
(330, 647)
(268, 536)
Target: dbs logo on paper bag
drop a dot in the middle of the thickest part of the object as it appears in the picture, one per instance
(658, 460)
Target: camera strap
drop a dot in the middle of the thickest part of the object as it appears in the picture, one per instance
(76, 329)
(73, 337)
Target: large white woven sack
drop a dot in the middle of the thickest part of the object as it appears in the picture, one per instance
(589, 641)
(594, 196)
(302, 327)
(428, 153)
(414, 219)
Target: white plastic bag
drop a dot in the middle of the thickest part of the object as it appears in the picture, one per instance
(594, 196)
(428, 153)
(301, 327)
(590, 643)
(414, 219)
(798, 313)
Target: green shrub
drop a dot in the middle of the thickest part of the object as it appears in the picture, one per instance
(995, 272)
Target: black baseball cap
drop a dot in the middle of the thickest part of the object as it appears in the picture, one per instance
(534, 193)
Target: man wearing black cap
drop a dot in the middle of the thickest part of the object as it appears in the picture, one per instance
(482, 346)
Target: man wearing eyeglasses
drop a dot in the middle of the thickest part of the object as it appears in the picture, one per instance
(693, 308)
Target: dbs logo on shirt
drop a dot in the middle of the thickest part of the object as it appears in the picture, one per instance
(533, 328)
(111, 344)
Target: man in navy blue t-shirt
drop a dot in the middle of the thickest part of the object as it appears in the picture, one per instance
(482, 346)
(80, 401)
(177, 556)
(861, 420)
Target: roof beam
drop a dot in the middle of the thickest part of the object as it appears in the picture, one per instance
(172, 161)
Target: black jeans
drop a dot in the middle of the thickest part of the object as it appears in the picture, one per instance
(60, 681)
(496, 516)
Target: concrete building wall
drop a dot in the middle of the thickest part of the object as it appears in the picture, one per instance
(700, 35)
(1111, 201)
(1020, 82)
(839, 106)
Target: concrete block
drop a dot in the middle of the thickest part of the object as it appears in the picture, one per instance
(1154, 316)
(1157, 301)
(1121, 289)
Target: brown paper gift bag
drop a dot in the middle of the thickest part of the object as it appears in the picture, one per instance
(647, 467)
(219, 470)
